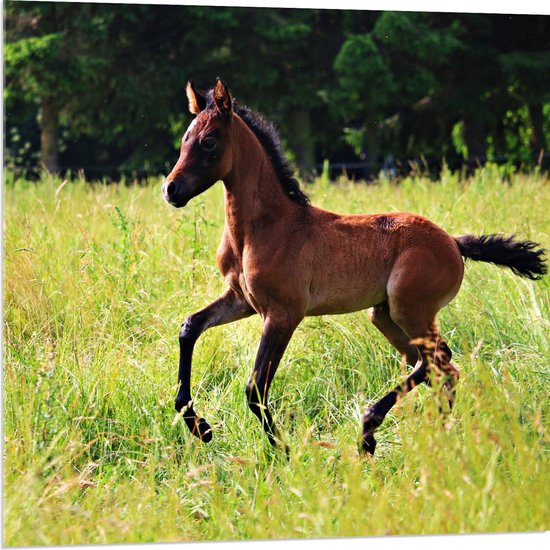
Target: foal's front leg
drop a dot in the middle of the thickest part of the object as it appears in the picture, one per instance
(276, 335)
(227, 308)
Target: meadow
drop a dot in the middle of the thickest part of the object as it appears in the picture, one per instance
(97, 281)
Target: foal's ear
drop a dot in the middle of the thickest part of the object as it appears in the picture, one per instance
(197, 99)
(222, 97)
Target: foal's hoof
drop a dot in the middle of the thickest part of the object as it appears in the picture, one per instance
(199, 428)
(203, 430)
(368, 444)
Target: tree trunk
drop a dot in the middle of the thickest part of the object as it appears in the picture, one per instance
(300, 140)
(49, 123)
(476, 141)
(537, 134)
(371, 150)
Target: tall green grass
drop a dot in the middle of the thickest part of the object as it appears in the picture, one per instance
(97, 280)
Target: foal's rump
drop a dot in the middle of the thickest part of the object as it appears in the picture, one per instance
(427, 272)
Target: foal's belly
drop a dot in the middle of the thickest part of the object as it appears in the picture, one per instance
(346, 298)
(348, 306)
(345, 287)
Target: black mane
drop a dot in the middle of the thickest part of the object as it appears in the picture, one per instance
(267, 135)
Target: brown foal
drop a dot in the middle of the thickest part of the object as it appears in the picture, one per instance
(285, 259)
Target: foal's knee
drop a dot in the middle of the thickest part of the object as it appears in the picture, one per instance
(445, 370)
(442, 358)
(189, 331)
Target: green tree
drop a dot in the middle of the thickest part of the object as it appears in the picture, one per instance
(388, 71)
(50, 59)
(105, 84)
(103, 72)
(524, 59)
(282, 66)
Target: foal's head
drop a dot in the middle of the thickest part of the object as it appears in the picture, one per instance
(205, 154)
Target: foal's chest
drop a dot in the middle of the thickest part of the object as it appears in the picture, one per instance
(230, 264)
(238, 275)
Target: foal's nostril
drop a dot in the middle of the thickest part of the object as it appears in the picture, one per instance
(170, 189)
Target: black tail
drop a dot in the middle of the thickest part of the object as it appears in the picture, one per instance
(524, 258)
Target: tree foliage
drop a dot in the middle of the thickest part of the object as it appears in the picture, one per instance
(104, 85)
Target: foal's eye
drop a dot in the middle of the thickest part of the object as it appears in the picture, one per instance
(209, 143)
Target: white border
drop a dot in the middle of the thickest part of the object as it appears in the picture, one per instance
(540, 7)
(535, 541)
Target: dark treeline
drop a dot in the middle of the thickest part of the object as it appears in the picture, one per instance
(102, 86)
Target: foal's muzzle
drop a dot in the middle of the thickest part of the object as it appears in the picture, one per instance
(174, 194)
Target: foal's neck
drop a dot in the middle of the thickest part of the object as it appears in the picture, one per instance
(253, 192)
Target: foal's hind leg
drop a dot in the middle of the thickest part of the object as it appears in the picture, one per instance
(434, 357)
(373, 417)
(380, 318)
(443, 373)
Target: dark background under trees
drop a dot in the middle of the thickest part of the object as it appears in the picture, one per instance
(101, 87)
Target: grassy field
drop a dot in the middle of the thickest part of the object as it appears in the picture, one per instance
(97, 280)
